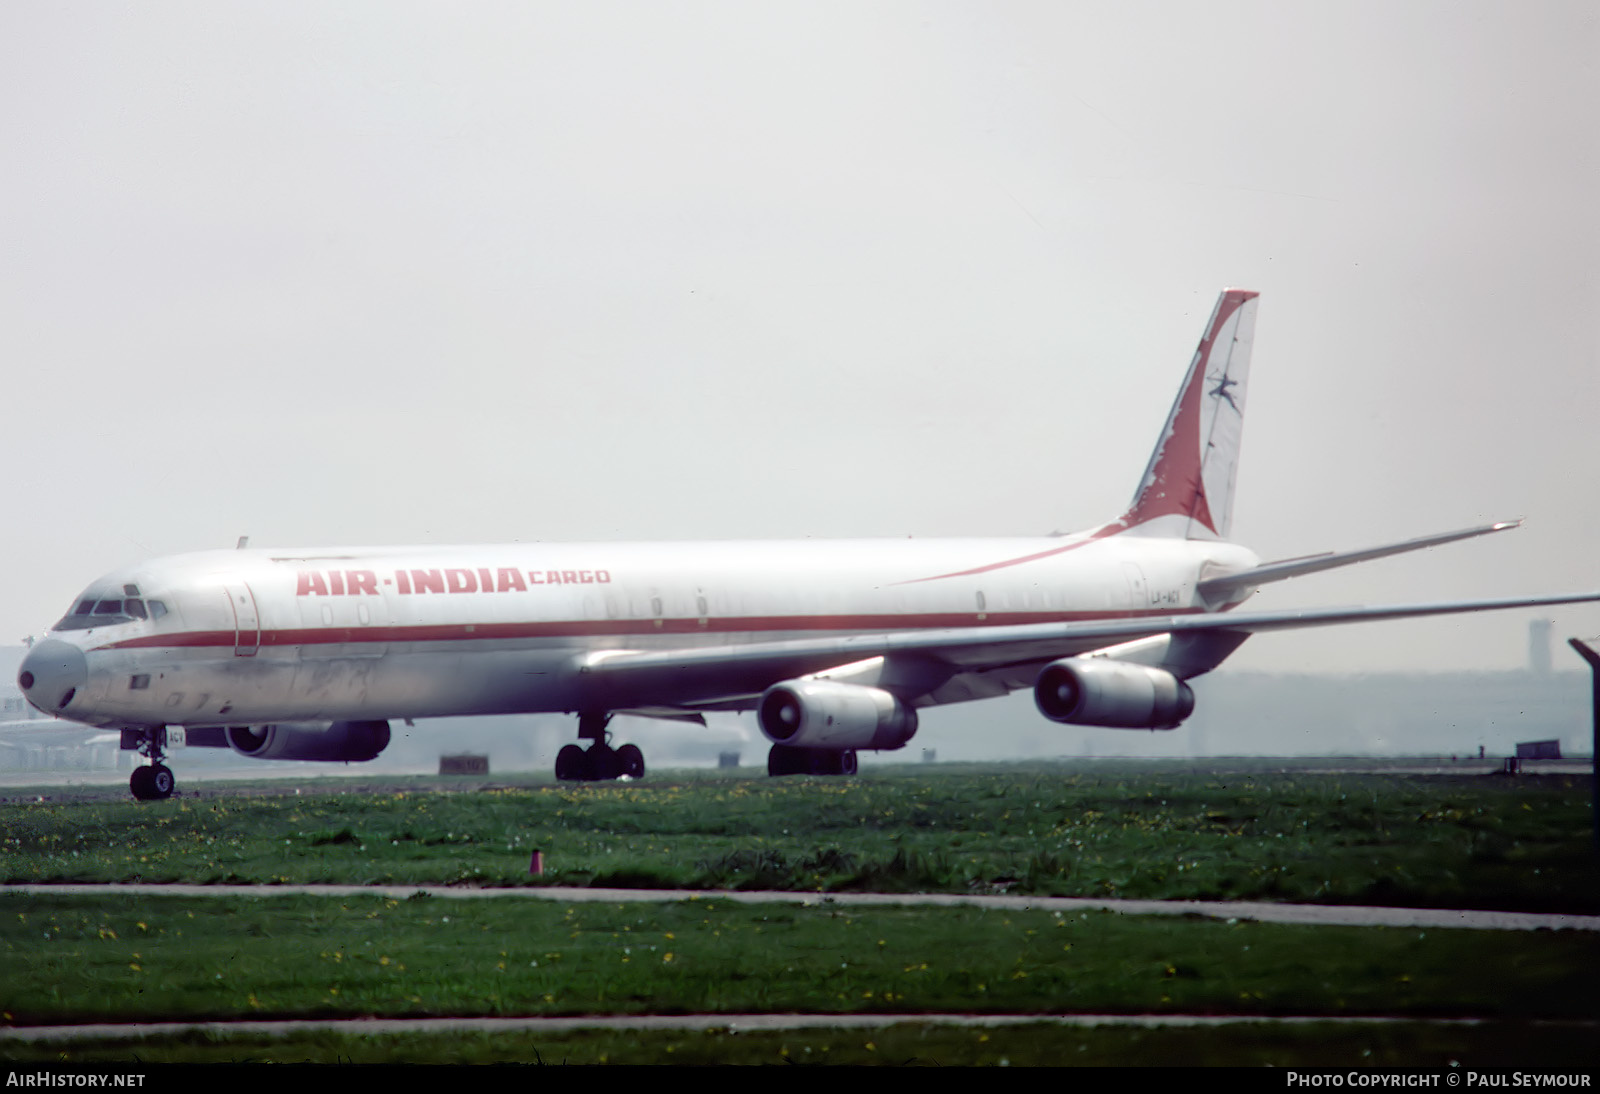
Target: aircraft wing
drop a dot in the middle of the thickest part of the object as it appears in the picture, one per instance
(728, 677)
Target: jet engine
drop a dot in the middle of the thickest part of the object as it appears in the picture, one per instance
(349, 741)
(1097, 692)
(829, 715)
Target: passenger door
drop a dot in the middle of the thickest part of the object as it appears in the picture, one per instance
(246, 617)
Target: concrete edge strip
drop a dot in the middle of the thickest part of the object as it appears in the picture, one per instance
(733, 1023)
(1258, 911)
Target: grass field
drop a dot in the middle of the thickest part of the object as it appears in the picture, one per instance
(1482, 842)
(1138, 831)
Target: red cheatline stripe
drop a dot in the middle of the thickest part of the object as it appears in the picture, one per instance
(479, 632)
(1108, 530)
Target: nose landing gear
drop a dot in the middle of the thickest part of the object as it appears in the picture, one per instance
(154, 781)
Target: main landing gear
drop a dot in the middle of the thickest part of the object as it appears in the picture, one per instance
(153, 781)
(599, 762)
(788, 760)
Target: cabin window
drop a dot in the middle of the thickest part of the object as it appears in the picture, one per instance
(139, 682)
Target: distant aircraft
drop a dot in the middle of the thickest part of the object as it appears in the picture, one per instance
(309, 654)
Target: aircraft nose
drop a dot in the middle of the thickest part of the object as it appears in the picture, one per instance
(52, 673)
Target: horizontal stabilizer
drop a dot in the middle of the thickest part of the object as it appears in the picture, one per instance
(1223, 588)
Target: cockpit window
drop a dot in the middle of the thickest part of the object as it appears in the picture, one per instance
(91, 612)
(157, 609)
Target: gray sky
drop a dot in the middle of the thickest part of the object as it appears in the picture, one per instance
(362, 273)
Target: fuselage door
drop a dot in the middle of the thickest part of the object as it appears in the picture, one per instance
(246, 618)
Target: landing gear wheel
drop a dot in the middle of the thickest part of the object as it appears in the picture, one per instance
(599, 762)
(778, 762)
(788, 760)
(631, 761)
(606, 765)
(153, 783)
(829, 762)
(572, 764)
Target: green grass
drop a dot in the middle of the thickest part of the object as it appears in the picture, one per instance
(1445, 842)
(1077, 830)
(82, 958)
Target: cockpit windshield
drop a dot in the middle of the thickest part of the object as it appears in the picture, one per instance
(104, 611)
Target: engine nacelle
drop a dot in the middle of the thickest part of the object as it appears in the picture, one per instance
(1096, 692)
(826, 714)
(347, 741)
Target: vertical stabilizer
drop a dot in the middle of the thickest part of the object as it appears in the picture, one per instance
(1187, 489)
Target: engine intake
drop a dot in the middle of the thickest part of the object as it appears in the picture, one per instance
(1096, 692)
(339, 741)
(826, 714)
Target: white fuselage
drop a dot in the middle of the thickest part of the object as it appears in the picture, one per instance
(255, 636)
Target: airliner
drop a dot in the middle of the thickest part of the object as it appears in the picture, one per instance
(836, 645)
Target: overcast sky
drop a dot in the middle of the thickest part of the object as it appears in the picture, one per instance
(362, 273)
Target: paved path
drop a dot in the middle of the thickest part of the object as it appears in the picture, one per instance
(738, 1023)
(1318, 914)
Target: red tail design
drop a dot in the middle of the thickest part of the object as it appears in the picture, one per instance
(1191, 472)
